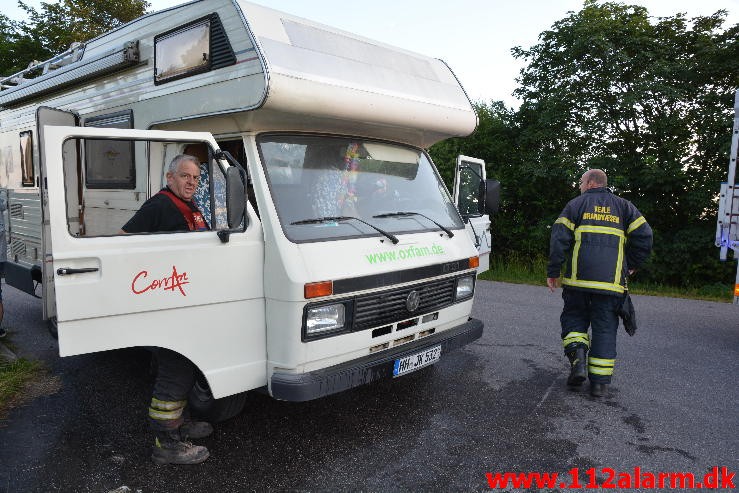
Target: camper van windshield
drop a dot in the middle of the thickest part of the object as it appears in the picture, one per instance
(328, 188)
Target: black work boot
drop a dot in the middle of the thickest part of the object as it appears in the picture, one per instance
(597, 389)
(170, 449)
(578, 366)
(195, 430)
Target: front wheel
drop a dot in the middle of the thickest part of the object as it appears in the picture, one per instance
(203, 405)
(52, 326)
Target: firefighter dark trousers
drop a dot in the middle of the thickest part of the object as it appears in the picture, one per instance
(175, 377)
(599, 312)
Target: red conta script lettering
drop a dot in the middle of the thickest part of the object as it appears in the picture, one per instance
(169, 283)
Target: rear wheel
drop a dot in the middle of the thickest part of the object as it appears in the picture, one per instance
(203, 405)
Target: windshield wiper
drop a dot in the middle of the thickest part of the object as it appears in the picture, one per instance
(326, 219)
(406, 214)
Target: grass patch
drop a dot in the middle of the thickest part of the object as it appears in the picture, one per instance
(518, 269)
(712, 292)
(14, 377)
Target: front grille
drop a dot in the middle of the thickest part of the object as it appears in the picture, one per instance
(387, 307)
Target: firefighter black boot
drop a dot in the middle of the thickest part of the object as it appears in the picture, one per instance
(578, 365)
(169, 448)
(195, 429)
(597, 389)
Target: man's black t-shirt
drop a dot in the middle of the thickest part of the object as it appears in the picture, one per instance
(158, 214)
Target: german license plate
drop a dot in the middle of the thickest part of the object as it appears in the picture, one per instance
(416, 361)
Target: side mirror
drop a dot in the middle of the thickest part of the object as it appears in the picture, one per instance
(235, 196)
(492, 196)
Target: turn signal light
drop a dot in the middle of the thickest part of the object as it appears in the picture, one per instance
(474, 262)
(318, 289)
(736, 290)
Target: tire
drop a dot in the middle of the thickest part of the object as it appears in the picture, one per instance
(202, 404)
(53, 329)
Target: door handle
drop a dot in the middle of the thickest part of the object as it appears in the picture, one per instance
(65, 271)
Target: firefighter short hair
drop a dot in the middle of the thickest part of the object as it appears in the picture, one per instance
(597, 176)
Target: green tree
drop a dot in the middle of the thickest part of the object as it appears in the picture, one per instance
(647, 100)
(525, 209)
(494, 140)
(55, 26)
(16, 49)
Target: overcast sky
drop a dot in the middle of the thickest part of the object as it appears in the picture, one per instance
(474, 37)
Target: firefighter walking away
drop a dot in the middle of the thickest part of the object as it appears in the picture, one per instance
(597, 241)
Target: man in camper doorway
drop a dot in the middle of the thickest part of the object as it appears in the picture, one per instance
(600, 239)
(172, 209)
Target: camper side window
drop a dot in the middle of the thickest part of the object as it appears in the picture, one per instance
(109, 163)
(27, 158)
(193, 48)
(183, 52)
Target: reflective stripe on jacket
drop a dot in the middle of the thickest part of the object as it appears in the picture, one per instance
(598, 237)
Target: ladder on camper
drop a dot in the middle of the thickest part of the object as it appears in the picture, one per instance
(36, 68)
(65, 70)
(727, 227)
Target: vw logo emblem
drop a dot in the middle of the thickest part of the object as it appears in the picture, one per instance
(412, 301)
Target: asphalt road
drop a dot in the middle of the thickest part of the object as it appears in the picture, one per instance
(497, 405)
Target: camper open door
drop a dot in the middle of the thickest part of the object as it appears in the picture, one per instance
(476, 198)
(46, 116)
(197, 293)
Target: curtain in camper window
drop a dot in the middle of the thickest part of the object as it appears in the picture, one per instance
(109, 163)
(27, 159)
(216, 218)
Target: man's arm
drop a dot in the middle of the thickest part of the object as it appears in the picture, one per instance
(560, 243)
(639, 239)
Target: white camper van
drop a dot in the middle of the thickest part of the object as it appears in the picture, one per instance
(336, 255)
(727, 226)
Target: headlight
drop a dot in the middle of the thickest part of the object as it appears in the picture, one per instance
(465, 287)
(326, 318)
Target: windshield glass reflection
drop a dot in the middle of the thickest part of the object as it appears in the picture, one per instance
(319, 183)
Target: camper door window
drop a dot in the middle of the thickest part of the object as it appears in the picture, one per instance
(104, 211)
(315, 178)
(27, 159)
(470, 177)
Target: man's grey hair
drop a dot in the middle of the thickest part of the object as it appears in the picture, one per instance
(180, 158)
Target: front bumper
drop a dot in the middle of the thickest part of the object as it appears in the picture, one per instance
(299, 387)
